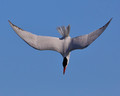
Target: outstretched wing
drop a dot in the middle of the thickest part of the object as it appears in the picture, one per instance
(39, 42)
(81, 42)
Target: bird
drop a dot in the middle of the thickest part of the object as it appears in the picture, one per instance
(63, 45)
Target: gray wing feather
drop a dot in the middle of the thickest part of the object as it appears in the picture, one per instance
(81, 42)
(38, 42)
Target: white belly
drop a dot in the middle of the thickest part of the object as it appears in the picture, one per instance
(66, 46)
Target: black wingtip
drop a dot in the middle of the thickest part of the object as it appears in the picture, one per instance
(110, 19)
(108, 22)
(9, 21)
(14, 25)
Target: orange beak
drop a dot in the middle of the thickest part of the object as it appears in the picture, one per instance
(64, 70)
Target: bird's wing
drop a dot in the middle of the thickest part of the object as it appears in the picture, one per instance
(81, 42)
(38, 42)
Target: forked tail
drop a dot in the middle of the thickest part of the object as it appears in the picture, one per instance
(64, 31)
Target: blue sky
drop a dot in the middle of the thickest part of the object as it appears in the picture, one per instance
(94, 71)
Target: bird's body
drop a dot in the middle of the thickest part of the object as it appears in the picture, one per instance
(63, 45)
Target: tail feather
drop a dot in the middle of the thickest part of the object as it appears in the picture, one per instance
(64, 31)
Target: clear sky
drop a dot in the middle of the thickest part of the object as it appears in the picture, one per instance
(94, 71)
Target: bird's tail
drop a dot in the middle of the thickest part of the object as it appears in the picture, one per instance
(64, 31)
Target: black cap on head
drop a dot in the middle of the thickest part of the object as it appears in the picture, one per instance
(64, 64)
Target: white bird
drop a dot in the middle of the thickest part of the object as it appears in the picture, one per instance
(63, 45)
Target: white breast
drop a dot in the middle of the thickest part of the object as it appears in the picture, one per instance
(66, 46)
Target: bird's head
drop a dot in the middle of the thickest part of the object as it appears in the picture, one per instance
(65, 62)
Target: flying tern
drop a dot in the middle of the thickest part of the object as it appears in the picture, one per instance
(63, 45)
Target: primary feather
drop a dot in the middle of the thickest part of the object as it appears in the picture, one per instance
(38, 42)
(84, 41)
